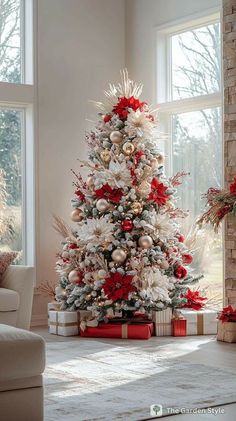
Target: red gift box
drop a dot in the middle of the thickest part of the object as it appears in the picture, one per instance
(126, 330)
(179, 327)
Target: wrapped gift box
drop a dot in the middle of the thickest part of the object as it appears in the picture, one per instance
(162, 320)
(127, 330)
(202, 322)
(179, 327)
(226, 332)
(64, 323)
(54, 305)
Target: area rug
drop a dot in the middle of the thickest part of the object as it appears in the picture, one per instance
(95, 380)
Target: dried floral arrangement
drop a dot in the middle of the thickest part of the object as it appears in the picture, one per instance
(220, 202)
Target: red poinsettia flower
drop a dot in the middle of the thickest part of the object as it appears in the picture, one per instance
(123, 105)
(158, 192)
(232, 187)
(228, 314)
(194, 300)
(180, 272)
(107, 192)
(118, 287)
(80, 194)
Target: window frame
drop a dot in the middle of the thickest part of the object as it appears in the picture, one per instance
(167, 106)
(162, 77)
(22, 97)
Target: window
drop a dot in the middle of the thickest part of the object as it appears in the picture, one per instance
(11, 35)
(16, 128)
(190, 112)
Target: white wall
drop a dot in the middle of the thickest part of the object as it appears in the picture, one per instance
(82, 45)
(80, 49)
(141, 18)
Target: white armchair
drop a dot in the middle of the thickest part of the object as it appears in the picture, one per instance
(16, 296)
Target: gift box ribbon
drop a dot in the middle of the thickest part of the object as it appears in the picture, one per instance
(63, 324)
(124, 331)
(200, 324)
(88, 321)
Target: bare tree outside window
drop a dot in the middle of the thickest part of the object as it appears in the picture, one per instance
(196, 62)
(197, 141)
(10, 41)
(11, 124)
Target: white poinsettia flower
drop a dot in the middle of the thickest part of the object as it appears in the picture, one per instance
(96, 231)
(118, 174)
(101, 178)
(161, 226)
(155, 294)
(155, 286)
(138, 124)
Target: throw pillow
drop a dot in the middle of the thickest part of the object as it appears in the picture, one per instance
(6, 258)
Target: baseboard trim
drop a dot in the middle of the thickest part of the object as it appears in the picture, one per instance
(39, 320)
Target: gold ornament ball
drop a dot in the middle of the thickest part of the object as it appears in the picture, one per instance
(73, 276)
(164, 264)
(105, 155)
(116, 137)
(144, 188)
(102, 205)
(90, 182)
(136, 208)
(76, 215)
(119, 256)
(128, 148)
(160, 158)
(154, 163)
(145, 241)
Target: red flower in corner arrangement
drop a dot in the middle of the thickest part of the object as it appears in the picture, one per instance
(228, 314)
(221, 202)
(194, 300)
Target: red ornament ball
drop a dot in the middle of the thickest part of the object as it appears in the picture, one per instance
(127, 225)
(181, 238)
(180, 272)
(73, 246)
(187, 259)
(107, 118)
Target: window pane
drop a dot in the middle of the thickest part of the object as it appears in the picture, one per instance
(10, 41)
(11, 168)
(196, 62)
(197, 148)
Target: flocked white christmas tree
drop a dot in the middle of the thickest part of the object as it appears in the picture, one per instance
(125, 253)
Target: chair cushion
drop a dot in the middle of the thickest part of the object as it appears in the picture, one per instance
(22, 354)
(9, 300)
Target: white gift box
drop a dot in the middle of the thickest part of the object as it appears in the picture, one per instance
(54, 305)
(63, 323)
(162, 320)
(202, 322)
